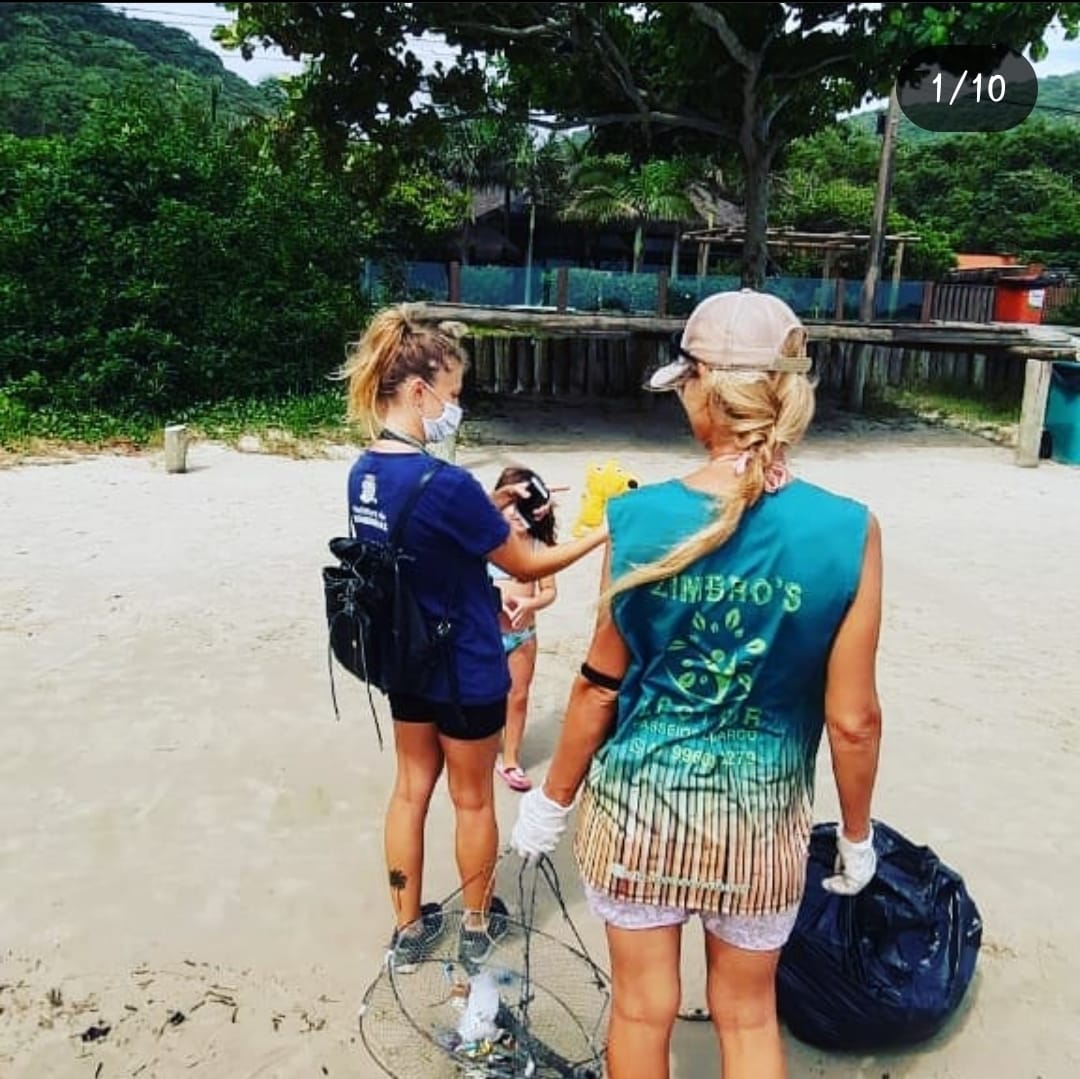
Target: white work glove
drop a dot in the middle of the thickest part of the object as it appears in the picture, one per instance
(539, 826)
(855, 865)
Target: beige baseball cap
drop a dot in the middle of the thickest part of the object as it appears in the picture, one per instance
(737, 331)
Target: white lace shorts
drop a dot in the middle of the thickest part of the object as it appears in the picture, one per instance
(751, 932)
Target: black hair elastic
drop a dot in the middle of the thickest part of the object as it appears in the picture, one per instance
(604, 681)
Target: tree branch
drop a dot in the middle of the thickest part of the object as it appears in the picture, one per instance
(665, 119)
(620, 69)
(813, 69)
(508, 33)
(713, 19)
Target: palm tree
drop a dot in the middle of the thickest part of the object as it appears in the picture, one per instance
(469, 158)
(541, 174)
(609, 188)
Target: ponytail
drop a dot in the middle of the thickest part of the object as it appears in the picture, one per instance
(396, 346)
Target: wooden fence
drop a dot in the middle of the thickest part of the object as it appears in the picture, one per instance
(593, 367)
(951, 302)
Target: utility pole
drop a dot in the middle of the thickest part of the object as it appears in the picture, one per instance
(876, 250)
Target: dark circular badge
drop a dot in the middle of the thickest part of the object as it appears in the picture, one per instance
(967, 88)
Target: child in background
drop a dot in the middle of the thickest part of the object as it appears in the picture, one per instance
(517, 619)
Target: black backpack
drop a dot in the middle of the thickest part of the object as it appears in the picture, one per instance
(378, 630)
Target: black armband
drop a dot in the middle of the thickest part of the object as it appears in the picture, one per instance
(605, 681)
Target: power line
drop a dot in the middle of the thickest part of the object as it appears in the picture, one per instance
(119, 44)
(211, 20)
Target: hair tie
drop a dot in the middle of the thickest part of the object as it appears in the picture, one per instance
(777, 475)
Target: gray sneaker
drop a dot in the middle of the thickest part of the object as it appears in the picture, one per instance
(414, 943)
(475, 945)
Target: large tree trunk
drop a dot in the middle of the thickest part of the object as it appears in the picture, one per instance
(757, 156)
(755, 248)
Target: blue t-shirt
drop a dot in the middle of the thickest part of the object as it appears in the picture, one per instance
(451, 529)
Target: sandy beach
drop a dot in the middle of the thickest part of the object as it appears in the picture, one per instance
(191, 877)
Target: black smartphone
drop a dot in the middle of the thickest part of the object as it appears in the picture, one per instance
(538, 497)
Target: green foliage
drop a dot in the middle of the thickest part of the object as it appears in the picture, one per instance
(1007, 192)
(658, 79)
(280, 422)
(1012, 192)
(58, 60)
(405, 203)
(157, 259)
(822, 197)
(610, 188)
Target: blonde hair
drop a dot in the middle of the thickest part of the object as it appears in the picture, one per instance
(397, 346)
(764, 413)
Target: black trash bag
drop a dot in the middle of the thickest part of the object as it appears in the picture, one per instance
(885, 968)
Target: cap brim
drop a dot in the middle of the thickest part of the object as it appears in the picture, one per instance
(669, 376)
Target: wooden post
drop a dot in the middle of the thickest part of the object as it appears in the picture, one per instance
(176, 445)
(562, 288)
(577, 385)
(702, 259)
(526, 366)
(978, 372)
(897, 269)
(484, 363)
(562, 364)
(840, 286)
(857, 385)
(455, 282)
(596, 374)
(502, 364)
(618, 360)
(661, 293)
(542, 365)
(927, 301)
(1032, 412)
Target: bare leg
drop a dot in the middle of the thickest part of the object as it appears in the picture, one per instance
(522, 662)
(645, 1000)
(470, 770)
(419, 764)
(742, 1001)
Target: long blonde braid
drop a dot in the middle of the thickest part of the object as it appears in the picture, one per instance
(763, 414)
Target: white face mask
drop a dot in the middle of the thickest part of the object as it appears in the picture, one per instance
(441, 427)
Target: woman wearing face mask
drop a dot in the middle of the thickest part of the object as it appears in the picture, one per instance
(404, 382)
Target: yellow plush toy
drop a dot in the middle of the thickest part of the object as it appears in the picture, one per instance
(602, 482)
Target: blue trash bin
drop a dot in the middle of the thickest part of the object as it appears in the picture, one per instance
(1063, 413)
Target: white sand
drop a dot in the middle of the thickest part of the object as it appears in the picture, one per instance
(186, 829)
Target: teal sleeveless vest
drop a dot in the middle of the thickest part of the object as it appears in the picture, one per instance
(702, 797)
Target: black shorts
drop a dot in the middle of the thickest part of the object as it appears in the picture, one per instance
(469, 723)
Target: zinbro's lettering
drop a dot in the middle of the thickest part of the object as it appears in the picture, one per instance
(695, 588)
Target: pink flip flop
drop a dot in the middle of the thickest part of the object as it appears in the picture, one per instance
(515, 778)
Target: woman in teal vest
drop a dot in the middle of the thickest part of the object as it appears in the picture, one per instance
(739, 619)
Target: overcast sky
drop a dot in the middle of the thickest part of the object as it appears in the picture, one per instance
(199, 19)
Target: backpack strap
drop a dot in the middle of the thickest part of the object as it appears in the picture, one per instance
(410, 503)
(442, 630)
(394, 540)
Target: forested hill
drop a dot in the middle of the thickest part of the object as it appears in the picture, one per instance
(1059, 102)
(55, 59)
